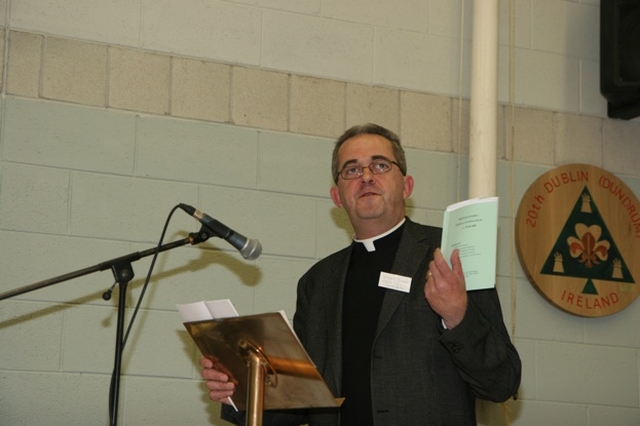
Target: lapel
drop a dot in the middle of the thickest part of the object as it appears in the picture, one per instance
(333, 300)
(412, 250)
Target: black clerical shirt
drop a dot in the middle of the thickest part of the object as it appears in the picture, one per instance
(362, 303)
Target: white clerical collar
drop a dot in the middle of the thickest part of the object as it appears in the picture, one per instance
(369, 242)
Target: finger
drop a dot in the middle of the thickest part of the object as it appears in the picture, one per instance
(221, 396)
(456, 263)
(428, 285)
(429, 274)
(433, 273)
(437, 254)
(225, 389)
(439, 261)
(439, 266)
(215, 375)
(220, 391)
(206, 362)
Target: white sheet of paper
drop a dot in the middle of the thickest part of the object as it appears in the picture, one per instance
(212, 309)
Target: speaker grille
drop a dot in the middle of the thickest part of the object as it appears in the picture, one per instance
(620, 57)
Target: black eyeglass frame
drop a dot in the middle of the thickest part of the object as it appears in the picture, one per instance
(368, 166)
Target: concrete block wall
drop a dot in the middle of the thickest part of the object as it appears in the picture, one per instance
(113, 115)
(549, 48)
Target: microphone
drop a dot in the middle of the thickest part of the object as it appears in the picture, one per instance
(248, 248)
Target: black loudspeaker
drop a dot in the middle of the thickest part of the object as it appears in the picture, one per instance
(620, 57)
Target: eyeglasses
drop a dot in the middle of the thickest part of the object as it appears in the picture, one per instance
(377, 167)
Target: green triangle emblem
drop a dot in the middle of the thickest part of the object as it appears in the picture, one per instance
(586, 249)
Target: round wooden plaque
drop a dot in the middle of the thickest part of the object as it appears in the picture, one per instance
(578, 239)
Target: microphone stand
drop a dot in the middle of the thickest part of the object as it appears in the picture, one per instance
(123, 273)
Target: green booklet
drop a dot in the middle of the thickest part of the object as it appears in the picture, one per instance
(471, 226)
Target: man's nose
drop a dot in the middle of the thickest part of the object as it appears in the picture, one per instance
(367, 174)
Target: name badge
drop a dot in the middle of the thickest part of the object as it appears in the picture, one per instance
(394, 282)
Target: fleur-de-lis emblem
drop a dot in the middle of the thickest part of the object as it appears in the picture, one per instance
(587, 247)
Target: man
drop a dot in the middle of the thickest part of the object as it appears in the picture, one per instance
(419, 355)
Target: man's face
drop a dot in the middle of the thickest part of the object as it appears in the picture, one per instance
(373, 202)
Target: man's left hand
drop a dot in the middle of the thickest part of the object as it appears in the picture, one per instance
(445, 288)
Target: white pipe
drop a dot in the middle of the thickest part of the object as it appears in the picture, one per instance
(483, 121)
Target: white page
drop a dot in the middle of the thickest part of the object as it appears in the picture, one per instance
(212, 309)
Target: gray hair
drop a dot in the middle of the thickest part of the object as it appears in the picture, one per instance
(369, 129)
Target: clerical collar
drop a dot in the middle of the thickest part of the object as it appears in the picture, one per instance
(369, 242)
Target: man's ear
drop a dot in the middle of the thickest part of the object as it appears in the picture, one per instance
(408, 186)
(335, 196)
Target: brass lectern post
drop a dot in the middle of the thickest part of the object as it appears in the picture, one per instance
(255, 390)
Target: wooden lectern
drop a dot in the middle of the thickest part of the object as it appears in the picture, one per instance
(264, 358)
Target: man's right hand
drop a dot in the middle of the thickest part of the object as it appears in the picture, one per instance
(220, 388)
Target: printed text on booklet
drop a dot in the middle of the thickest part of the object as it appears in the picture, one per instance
(471, 226)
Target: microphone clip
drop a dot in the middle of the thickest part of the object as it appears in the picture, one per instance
(199, 237)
